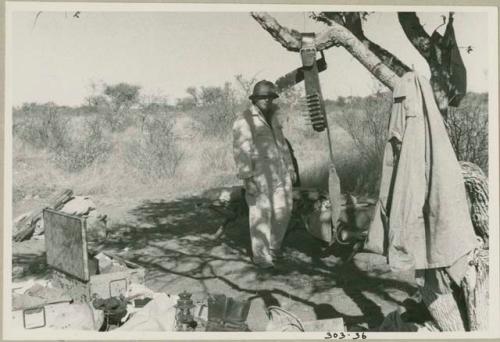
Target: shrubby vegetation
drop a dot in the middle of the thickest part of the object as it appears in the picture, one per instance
(121, 139)
(365, 120)
(216, 107)
(73, 141)
(468, 128)
(154, 150)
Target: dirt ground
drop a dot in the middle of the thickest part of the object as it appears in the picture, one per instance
(174, 242)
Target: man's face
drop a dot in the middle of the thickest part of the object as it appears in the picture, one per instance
(265, 105)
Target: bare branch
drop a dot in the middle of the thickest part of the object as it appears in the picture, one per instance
(289, 39)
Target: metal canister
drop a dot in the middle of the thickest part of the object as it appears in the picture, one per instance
(184, 312)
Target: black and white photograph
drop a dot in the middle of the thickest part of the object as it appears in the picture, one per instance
(250, 171)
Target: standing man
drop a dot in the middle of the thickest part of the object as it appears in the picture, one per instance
(265, 165)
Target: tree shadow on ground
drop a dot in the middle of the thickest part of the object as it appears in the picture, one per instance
(174, 240)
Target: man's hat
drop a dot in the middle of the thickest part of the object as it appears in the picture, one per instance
(264, 89)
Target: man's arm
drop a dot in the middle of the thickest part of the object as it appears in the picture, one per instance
(288, 155)
(243, 148)
(286, 150)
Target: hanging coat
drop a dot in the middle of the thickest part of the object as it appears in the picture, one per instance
(422, 218)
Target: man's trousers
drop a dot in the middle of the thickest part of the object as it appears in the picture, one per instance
(269, 215)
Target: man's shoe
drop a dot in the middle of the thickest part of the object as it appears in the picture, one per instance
(264, 272)
(279, 267)
(276, 254)
(263, 265)
(278, 259)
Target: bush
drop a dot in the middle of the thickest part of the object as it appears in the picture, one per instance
(155, 151)
(82, 148)
(217, 157)
(49, 127)
(41, 125)
(366, 120)
(186, 103)
(114, 104)
(220, 109)
(468, 129)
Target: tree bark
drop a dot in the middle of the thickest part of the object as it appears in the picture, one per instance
(353, 22)
(436, 51)
(289, 39)
(337, 35)
(415, 33)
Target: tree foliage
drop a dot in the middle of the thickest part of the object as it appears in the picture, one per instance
(122, 95)
(115, 103)
(468, 130)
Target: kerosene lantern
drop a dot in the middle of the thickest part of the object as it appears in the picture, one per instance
(184, 315)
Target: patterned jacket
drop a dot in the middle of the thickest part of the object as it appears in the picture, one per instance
(260, 150)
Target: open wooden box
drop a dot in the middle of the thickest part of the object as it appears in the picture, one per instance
(73, 269)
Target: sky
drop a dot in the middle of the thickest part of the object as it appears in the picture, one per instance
(57, 57)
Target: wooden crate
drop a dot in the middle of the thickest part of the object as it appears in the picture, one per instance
(60, 315)
(72, 267)
(104, 285)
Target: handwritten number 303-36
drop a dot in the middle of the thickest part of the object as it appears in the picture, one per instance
(342, 335)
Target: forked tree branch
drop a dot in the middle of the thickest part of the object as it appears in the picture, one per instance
(353, 22)
(336, 35)
(438, 51)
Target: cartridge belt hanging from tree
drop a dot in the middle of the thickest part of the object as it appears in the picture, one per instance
(314, 99)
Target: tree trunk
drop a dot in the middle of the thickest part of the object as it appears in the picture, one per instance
(475, 287)
(476, 185)
(448, 74)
